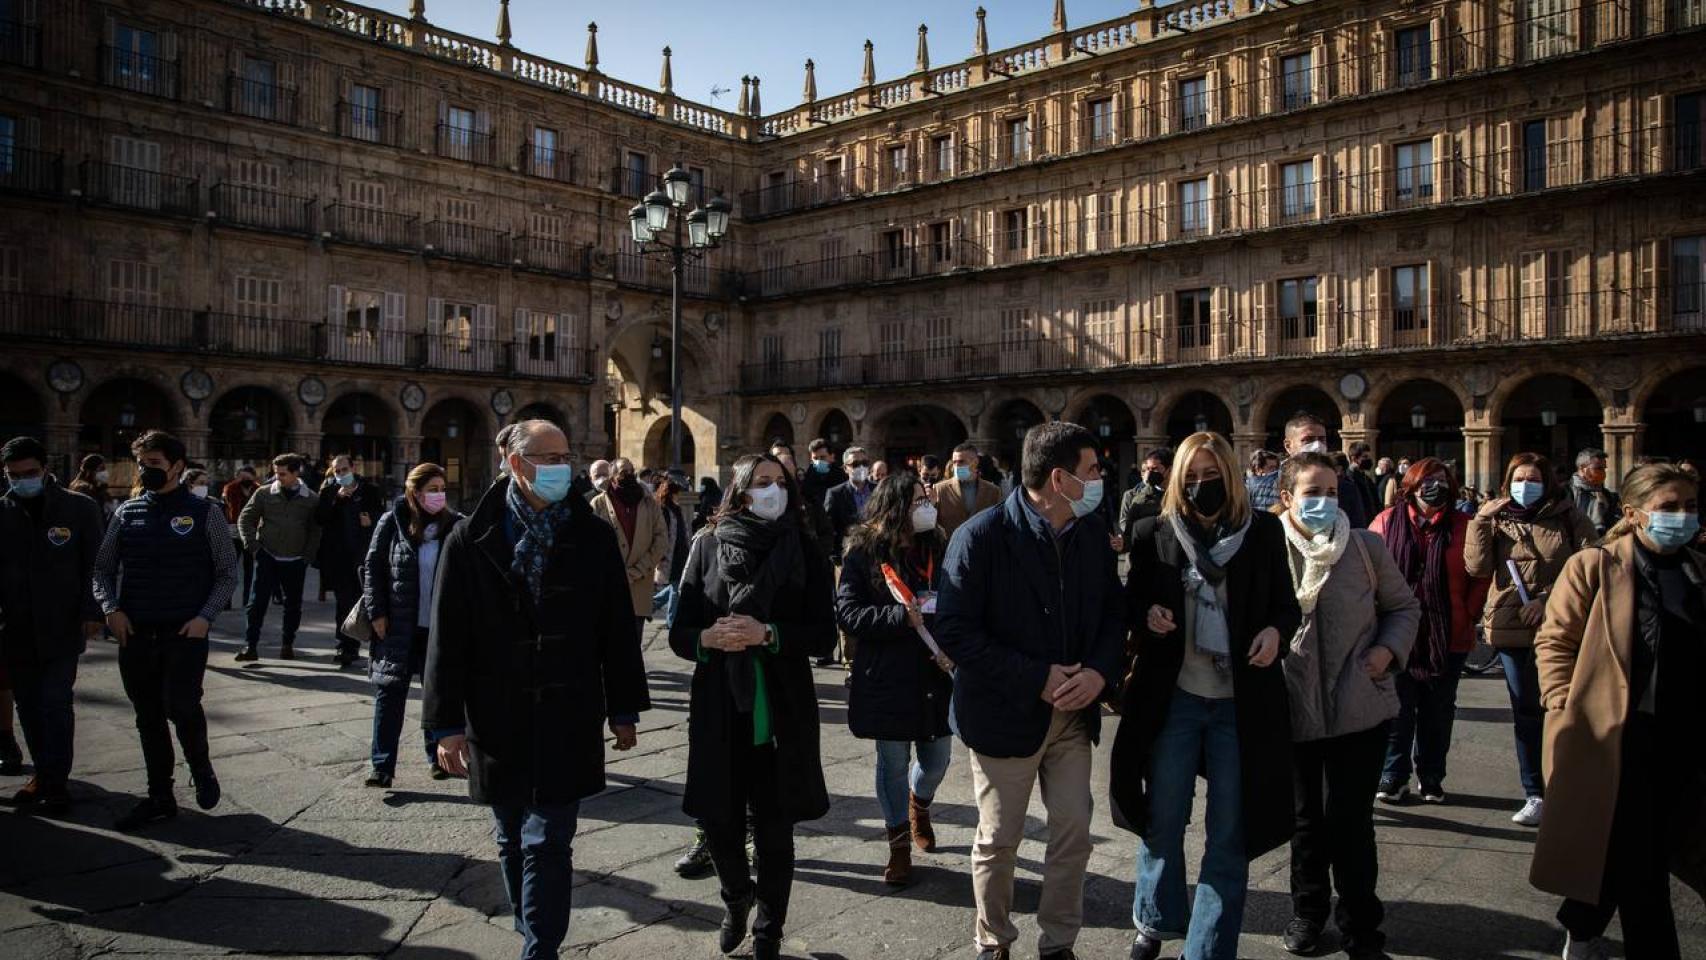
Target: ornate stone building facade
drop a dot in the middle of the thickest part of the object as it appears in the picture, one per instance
(1450, 227)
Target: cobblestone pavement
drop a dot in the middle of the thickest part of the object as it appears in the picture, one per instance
(300, 859)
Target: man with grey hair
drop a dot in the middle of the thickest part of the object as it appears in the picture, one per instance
(533, 651)
(599, 474)
(641, 532)
(1587, 486)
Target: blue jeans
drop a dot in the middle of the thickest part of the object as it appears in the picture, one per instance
(535, 851)
(1523, 682)
(1197, 731)
(390, 699)
(1426, 711)
(271, 575)
(895, 780)
(668, 597)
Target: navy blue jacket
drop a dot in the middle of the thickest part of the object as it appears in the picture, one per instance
(167, 559)
(391, 585)
(1013, 601)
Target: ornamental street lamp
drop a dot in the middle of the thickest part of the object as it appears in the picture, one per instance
(1419, 417)
(696, 233)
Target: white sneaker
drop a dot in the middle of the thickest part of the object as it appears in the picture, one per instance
(1594, 949)
(1529, 815)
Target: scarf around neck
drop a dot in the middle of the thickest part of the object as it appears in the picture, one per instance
(1424, 568)
(1313, 557)
(538, 536)
(1205, 572)
(756, 560)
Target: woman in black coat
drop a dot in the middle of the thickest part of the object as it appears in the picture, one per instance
(1213, 609)
(397, 581)
(901, 688)
(755, 610)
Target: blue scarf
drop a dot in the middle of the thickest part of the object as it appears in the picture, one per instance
(538, 535)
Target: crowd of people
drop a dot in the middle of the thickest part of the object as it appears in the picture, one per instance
(1290, 629)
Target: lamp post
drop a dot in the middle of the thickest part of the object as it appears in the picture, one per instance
(696, 233)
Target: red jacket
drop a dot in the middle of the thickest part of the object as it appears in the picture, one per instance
(1468, 594)
(235, 498)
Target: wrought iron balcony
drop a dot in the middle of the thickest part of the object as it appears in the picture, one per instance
(31, 171)
(366, 225)
(250, 206)
(263, 101)
(370, 124)
(548, 162)
(138, 189)
(141, 73)
(465, 241)
(466, 143)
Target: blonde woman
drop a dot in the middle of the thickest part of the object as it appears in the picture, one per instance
(1211, 601)
(1621, 656)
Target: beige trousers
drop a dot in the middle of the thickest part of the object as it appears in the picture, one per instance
(1003, 790)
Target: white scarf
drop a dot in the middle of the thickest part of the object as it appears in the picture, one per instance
(1311, 558)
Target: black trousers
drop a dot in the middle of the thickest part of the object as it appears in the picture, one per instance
(1637, 867)
(772, 840)
(162, 674)
(1334, 781)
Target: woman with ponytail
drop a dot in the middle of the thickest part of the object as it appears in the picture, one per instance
(1621, 655)
(397, 588)
(1426, 536)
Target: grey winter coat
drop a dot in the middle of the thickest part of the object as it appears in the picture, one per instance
(281, 523)
(1365, 602)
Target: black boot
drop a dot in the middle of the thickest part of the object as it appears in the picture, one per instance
(733, 933)
(149, 810)
(206, 785)
(696, 862)
(11, 757)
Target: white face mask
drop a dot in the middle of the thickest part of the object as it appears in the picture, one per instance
(770, 502)
(200, 490)
(100, 476)
(861, 475)
(924, 518)
(1313, 446)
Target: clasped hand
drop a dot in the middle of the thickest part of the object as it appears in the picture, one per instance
(1071, 687)
(734, 633)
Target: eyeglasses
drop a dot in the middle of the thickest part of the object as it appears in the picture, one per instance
(547, 459)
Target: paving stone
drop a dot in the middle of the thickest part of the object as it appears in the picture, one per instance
(264, 923)
(398, 876)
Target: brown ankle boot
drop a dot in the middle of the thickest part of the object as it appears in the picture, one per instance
(922, 833)
(899, 869)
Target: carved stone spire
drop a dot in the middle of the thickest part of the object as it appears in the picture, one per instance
(417, 9)
(810, 92)
(666, 80)
(1059, 16)
(757, 106)
(503, 22)
(744, 108)
(868, 76)
(923, 62)
(592, 48)
(980, 45)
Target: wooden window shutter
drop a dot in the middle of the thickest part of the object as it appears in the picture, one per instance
(1268, 73)
(335, 310)
(1373, 192)
(1443, 167)
(435, 316)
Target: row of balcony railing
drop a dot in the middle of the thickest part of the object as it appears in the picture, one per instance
(1154, 214)
(1316, 330)
(1333, 74)
(73, 321)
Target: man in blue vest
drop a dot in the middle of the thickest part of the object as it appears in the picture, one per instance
(164, 571)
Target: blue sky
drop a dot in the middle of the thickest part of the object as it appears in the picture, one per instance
(715, 43)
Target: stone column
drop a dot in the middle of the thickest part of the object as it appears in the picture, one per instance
(1622, 446)
(405, 453)
(1359, 434)
(305, 443)
(1481, 444)
(195, 442)
(1245, 443)
(61, 441)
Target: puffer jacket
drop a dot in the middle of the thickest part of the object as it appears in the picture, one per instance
(281, 523)
(1364, 603)
(1558, 531)
(391, 586)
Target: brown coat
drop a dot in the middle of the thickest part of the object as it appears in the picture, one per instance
(1583, 651)
(641, 555)
(951, 503)
(1539, 549)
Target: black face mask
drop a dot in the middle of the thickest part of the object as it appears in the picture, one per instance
(1365, 464)
(1209, 496)
(153, 478)
(1154, 479)
(1435, 493)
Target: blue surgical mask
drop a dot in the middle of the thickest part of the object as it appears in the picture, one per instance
(962, 474)
(551, 481)
(1318, 513)
(1527, 493)
(345, 479)
(27, 487)
(820, 466)
(1087, 504)
(1672, 531)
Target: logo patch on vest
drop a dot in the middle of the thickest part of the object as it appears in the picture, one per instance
(183, 525)
(59, 536)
